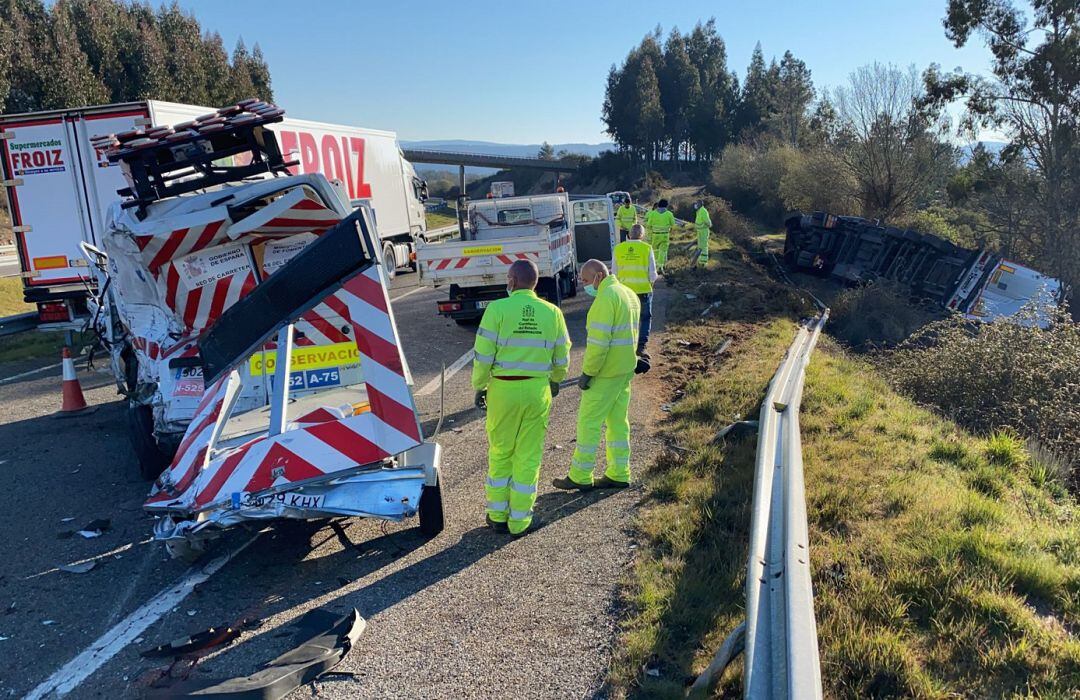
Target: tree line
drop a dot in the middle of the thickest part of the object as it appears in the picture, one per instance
(72, 53)
(676, 97)
(880, 145)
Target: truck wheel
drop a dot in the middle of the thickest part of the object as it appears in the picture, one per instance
(571, 286)
(389, 262)
(151, 458)
(551, 289)
(431, 510)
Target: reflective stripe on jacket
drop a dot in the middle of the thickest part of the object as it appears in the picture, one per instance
(521, 336)
(659, 223)
(632, 265)
(626, 216)
(702, 219)
(612, 325)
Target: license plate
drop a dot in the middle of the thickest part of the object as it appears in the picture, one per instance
(482, 304)
(290, 499)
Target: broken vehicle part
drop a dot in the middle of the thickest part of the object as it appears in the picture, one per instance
(200, 641)
(324, 639)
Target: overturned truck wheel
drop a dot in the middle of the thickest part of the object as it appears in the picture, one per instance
(431, 510)
(151, 458)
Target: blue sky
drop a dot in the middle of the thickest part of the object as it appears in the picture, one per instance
(525, 72)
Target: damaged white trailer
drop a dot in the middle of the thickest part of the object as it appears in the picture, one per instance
(215, 276)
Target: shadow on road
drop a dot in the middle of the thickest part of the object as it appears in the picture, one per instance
(279, 576)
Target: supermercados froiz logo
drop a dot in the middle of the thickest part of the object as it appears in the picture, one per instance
(37, 157)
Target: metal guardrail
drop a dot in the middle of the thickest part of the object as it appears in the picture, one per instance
(10, 325)
(780, 632)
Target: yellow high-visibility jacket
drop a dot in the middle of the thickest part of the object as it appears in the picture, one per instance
(632, 261)
(612, 325)
(521, 336)
(702, 219)
(626, 216)
(659, 224)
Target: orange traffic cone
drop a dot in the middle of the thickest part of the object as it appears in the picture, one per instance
(74, 402)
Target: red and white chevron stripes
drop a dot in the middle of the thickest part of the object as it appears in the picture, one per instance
(157, 250)
(308, 450)
(200, 307)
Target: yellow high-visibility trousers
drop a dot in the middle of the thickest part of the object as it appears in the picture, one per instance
(659, 243)
(703, 245)
(606, 402)
(517, 420)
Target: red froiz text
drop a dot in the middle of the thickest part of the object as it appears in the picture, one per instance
(337, 159)
(37, 159)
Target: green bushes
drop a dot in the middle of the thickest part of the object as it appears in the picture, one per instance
(1000, 375)
(768, 181)
(876, 315)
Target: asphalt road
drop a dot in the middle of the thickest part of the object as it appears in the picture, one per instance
(468, 614)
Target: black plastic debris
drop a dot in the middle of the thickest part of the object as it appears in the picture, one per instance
(323, 640)
(200, 641)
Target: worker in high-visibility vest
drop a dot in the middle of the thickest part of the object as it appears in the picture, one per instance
(609, 365)
(659, 223)
(522, 351)
(702, 224)
(635, 266)
(625, 218)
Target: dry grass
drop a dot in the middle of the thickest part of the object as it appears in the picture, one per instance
(945, 565)
(11, 297)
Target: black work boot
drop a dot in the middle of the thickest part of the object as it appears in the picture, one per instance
(567, 484)
(496, 525)
(605, 483)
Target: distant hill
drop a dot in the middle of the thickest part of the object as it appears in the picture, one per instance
(507, 149)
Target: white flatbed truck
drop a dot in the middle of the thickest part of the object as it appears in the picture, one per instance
(555, 232)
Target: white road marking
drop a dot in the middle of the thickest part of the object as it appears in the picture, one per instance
(411, 291)
(27, 374)
(433, 386)
(127, 630)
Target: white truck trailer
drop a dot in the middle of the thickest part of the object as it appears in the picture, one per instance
(60, 187)
(551, 230)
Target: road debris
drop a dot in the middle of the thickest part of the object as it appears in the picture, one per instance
(95, 528)
(48, 622)
(77, 568)
(200, 641)
(324, 638)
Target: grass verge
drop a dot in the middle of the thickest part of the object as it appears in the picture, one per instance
(11, 297)
(945, 565)
(437, 219)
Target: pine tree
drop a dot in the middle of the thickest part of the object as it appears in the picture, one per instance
(142, 57)
(215, 68)
(712, 121)
(794, 93)
(650, 114)
(260, 74)
(680, 91)
(756, 95)
(29, 51)
(183, 60)
(72, 81)
(240, 85)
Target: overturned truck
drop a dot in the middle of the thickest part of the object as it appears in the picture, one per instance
(249, 325)
(979, 284)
